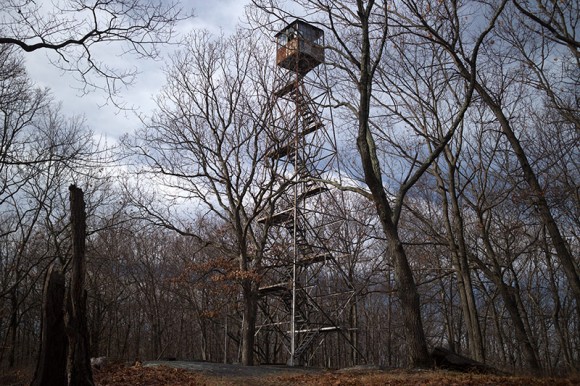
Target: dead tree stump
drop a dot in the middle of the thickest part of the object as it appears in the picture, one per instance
(51, 365)
(79, 362)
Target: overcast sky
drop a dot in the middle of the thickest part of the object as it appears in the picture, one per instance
(107, 120)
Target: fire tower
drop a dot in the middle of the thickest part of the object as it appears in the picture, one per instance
(305, 293)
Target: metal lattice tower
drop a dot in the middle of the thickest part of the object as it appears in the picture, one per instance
(305, 292)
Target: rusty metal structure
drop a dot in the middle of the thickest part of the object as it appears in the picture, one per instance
(305, 296)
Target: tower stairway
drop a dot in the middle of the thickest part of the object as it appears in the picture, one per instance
(300, 270)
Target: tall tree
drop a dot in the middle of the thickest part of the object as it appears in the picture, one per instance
(495, 91)
(207, 145)
(362, 34)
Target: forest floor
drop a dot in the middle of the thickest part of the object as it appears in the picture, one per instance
(214, 374)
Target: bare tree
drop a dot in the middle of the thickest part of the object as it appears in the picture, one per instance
(497, 222)
(362, 33)
(39, 149)
(494, 90)
(206, 144)
(75, 29)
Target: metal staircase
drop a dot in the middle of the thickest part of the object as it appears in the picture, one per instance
(292, 288)
(302, 266)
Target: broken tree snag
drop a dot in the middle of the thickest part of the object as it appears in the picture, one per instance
(51, 365)
(79, 363)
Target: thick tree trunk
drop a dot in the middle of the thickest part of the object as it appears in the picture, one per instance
(456, 241)
(476, 345)
(249, 327)
(156, 338)
(51, 365)
(79, 370)
(406, 289)
(410, 306)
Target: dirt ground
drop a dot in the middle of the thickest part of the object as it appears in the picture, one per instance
(214, 374)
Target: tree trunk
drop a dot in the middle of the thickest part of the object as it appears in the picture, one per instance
(249, 327)
(410, 307)
(519, 327)
(537, 196)
(13, 327)
(406, 289)
(79, 370)
(475, 339)
(509, 299)
(51, 365)
(354, 333)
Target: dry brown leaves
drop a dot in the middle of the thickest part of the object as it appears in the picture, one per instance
(122, 375)
(119, 375)
(428, 378)
(16, 377)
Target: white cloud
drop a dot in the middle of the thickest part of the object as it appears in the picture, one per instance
(217, 14)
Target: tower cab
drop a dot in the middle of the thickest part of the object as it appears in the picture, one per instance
(300, 47)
